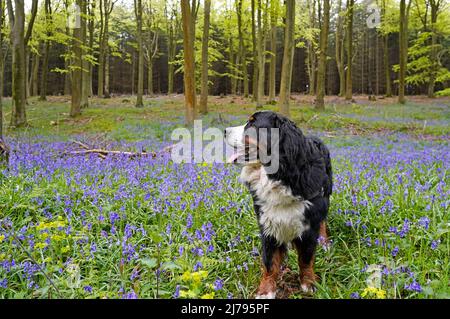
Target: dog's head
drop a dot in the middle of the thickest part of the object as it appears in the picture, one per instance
(265, 138)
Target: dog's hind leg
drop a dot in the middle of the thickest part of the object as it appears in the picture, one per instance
(323, 236)
(306, 247)
(273, 255)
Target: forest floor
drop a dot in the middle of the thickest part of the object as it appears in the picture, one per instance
(121, 227)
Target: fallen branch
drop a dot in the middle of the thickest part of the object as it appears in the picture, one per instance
(103, 153)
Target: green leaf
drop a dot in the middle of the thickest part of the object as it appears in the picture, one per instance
(149, 262)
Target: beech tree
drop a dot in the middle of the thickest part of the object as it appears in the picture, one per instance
(349, 45)
(188, 17)
(19, 40)
(323, 56)
(203, 108)
(2, 65)
(140, 88)
(286, 71)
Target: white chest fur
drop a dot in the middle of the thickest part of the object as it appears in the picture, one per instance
(282, 214)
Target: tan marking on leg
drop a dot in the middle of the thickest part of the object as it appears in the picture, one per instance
(323, 231)
(307, 275)
(268, 285)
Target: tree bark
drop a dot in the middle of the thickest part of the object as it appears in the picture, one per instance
(349, 38)
(189, 64)
(404, 12)
(255, 54)
(18, 115)
(34, 79)
(203, 108)
(273, 50)
(140, 88)
(286, 70)
(75, 109)
(44, 72)
(85, 74)
(242, 50)
(340, 50)
(261, 56)
(320, 105)
(2, 66)
(434, 4)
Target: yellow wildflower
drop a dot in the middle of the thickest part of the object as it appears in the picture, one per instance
(41, 245)
(374, 293)
(65, 249)
(208, 296)
(2, 237)
(187, 294)
(199, 275)
(186, 276)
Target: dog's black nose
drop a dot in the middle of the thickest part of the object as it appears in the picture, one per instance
(225, 133)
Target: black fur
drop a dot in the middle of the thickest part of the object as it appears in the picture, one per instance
(305, 167)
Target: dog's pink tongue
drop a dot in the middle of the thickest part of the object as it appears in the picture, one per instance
(233, 158)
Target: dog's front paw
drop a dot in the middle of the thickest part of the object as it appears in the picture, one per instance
(268, 295)
(308, 288)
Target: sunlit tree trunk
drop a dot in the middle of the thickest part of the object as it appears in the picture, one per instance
(261, 55)
(288, 54)
(404, 12)
(320, 105)
(85, 75)
(242, 50)
(203, 108)
(140, 88)
(349, 43)
(189, 64)
(2, 66)
(340, 50)
(273, 49)
(255, 54)
(45, 56)
(75, 109)
(19, 40)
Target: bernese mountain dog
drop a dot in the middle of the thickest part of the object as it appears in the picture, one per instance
(291, 203)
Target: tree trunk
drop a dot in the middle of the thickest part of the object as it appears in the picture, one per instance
(433, 53)
(171, 48)
(273, 50)
(261, 57)
(44, 72)
(75, 109)
(255, 54)
(349, 38)
(2, 66)
(242, 51)
(150, 77)
(286, 70)
(204, 91)
(85, 75)
(340, 51)
(18, 115)
(140, 88)
(107, 92)
(404, 12)
(34, 79)
(189, 65)
(320, 105)
(91, 27)
(387, 66)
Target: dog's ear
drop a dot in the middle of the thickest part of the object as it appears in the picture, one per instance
(301, 165)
